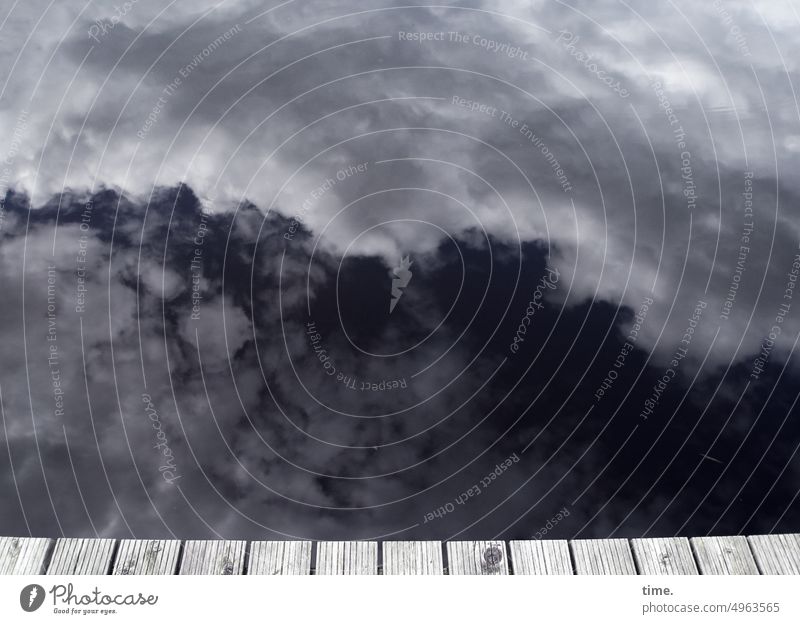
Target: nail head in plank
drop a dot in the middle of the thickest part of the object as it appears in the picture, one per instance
(724, 555)
(222, 557)
(82, 556)
(147, 557)
(280, 557)
(540, 557)
(347, 557)
(603, 556)
(487, 557)
(664, 555)
(415, 558)
(24, 555)
(776, 554)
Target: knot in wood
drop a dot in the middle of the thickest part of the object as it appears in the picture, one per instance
(492, 556)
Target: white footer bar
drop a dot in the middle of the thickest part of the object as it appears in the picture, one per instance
(401, 599)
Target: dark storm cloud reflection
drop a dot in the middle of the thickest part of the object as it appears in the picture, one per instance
(330, 270)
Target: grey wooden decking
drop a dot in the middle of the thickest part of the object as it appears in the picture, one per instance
(757, 554)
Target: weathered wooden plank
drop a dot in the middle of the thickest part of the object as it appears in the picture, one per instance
(540, 557)
(488, 557)
(147, 557)
(24, 555)
(347, 557)
(603, 556)
(776, 554)
(279, 557)
(724, 555)
(412, 558)
(664, 555)
(82, 556)
(213, 557)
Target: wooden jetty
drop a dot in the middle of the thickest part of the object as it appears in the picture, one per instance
(756, 554)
